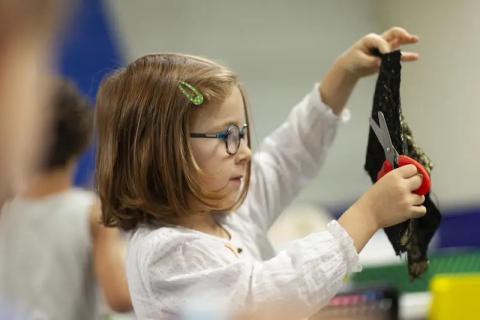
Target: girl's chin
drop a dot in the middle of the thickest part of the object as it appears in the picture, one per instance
(230, 200)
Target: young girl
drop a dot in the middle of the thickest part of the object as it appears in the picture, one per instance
(174, 166)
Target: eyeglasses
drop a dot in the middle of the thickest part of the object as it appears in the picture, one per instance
(232, 136)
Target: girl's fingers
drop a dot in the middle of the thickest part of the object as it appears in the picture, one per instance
(370, 61)
(418, 211)
(396, 43)
(415, 182)
(407, 171)
(374, 41)
(409, 56)
(400, 36)
(417, 200)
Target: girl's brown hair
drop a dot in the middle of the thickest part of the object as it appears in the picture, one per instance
(144, 168)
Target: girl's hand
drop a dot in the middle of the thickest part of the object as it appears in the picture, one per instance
(359, 60)
(388, 202)
(391, 199)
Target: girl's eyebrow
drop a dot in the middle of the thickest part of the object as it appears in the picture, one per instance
(225, 124)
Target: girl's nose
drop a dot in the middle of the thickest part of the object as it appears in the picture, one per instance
(244, 153)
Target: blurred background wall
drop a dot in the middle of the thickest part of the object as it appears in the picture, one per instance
(280, 48)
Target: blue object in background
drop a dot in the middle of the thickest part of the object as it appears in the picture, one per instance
(90, 49)
(460, 228)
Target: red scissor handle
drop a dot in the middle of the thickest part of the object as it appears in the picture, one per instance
(403, 161)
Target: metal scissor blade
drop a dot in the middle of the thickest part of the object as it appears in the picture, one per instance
(391, 153)
(378, 132)
(384, 127)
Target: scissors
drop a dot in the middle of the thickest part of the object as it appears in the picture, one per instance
(393, 159)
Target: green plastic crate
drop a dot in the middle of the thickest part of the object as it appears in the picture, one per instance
(451, 261)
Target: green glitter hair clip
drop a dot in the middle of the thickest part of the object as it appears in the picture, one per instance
(191, 93)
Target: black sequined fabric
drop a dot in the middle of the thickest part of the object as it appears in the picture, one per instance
(411, 236)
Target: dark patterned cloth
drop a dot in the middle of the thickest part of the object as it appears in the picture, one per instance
(411, 236)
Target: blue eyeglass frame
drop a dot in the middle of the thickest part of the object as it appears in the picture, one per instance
(223, 135)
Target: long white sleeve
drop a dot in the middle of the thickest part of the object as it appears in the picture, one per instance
(289, 158)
